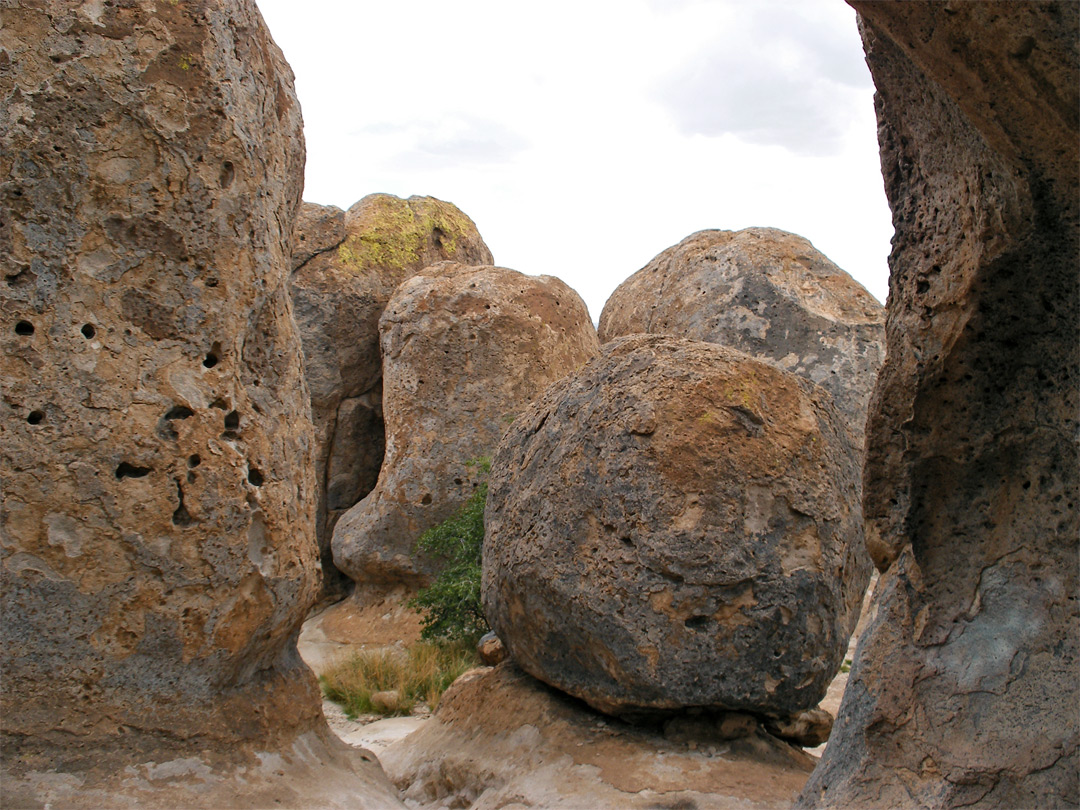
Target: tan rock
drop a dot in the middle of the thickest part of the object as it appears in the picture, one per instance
(765, 292)
(157, 551)
(465, 349)
(346, 265)
(677, 525)
(491, 650)
(503, 739)
(964, 688)
(808, 729)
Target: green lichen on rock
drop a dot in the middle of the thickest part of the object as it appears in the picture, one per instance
(394, 235)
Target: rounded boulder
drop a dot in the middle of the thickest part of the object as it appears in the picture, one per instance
(465, 350)
(677, 525)
(765, 292)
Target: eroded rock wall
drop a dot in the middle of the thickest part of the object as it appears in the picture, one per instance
(158, 499)
(964, 690)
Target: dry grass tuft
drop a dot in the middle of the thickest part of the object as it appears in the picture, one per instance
(419, 674)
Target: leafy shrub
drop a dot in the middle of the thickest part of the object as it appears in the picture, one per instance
(419, 674)
(451, 604)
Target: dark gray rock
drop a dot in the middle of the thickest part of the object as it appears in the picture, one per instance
(675, 525)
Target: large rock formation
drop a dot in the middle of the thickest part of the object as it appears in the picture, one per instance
(765, 292)
(465, 349)
(964, 690)
(346, 265)
(677, 525)
(157, 523)
(501, 739)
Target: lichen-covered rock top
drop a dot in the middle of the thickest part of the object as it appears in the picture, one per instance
(675, 525)
(768, 293)
(157, 539)
(465, 349)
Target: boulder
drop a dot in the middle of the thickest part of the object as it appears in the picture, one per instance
(677, 525)
(501, 739)
(465, 349)
(346, 265)
(158, 552)
(964, 688)
(765, 292)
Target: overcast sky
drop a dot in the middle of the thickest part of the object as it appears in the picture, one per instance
(585, 136)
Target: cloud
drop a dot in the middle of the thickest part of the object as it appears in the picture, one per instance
(455, 139)
(779, 75)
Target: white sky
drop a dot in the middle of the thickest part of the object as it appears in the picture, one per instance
(585, 136)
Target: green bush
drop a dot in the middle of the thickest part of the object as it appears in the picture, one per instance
(451, 604)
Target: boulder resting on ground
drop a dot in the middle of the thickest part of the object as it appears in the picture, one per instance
(676, 525)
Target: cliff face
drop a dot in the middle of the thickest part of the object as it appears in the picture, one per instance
(964, 688)
(158, 551)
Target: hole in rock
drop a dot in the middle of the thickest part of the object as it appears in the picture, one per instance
(88, 330)
(232, 420)
(626, 541)
(457, 482)
(255, 478)
(426, 499)
(36, 417)
(227, 174)
(179, 412)
(194, 460)
(210, 360)
(220, 404)
(126, 470)
(181, 517)
(24, 328)
(191, 477)
(697, 622)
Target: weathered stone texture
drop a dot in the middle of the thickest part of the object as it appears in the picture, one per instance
(765, 292)
(157, 546)
(465, 349)
(964, 690)
(346, 265)
(501, 739)
(677, 525)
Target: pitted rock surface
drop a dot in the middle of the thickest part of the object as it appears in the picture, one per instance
(765, 292)
(465, 349)
(346, 265)
(964, 688)
(677, 525)
(158, 550)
